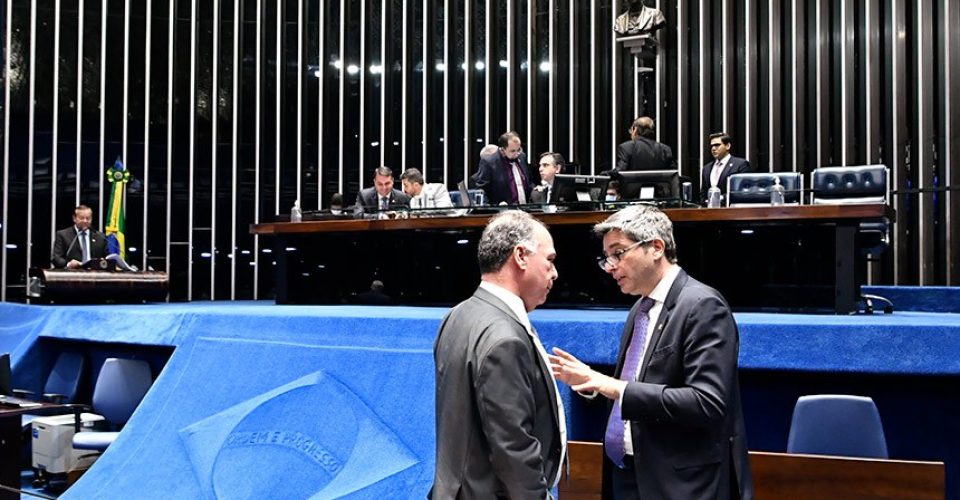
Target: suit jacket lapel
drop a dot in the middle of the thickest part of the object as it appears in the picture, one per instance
(662, 320)
(544, 370)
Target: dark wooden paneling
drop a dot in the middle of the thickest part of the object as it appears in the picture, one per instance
(781, 475)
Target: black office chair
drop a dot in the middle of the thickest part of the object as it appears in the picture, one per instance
(851, 185)
(754, 188)
(858, 185)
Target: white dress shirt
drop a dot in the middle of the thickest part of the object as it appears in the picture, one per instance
(718, 167)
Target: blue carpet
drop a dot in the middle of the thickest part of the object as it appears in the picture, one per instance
(332, 401)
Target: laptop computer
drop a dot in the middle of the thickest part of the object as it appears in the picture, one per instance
(465, 200)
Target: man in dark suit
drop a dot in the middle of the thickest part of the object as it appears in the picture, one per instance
(382, 196)
(78, 243)
(551, 164)
(500, 427)
(723, 166)
(504, 175)
(675, 428)
(642, 151)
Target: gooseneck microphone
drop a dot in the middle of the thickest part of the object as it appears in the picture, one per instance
(66, 260)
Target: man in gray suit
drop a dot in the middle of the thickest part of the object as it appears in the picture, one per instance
(675, 428)
(500, 430)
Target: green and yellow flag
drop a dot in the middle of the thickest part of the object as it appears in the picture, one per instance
(118, 177)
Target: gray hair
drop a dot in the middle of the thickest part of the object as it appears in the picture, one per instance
(642, 223)
(503, 233)
(488, 150)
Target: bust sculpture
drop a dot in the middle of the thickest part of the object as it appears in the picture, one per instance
(639, 20)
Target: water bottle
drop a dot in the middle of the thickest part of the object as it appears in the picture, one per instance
(295, 214)
(776, 192)
(713, 197)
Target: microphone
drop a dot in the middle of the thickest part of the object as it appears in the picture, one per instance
(75, 236)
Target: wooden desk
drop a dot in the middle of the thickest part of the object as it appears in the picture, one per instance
(10, 443)
(782, 475)
(764, 257)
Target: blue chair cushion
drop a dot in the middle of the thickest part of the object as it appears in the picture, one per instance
(95, 441)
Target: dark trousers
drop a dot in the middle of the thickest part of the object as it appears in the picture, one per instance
(624, 481)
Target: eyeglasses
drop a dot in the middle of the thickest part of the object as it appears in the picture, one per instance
(614, 258)
(717, 145)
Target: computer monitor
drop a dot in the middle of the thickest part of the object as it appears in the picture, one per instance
(649, 185)
(580, 188)
(6, 385)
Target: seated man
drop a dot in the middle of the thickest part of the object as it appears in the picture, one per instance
(78, 243)
(433, 195)
(503, 175)
(381, 196)
(613, 191)
(336, 204)
(551, 164)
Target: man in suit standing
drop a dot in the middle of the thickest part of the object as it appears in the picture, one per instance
(500, 424)
(504, 175)
(551, 164)
(642, 151)
(78, 243)
(433, 195)
(381, 196)
(675, 428)
(723, 166)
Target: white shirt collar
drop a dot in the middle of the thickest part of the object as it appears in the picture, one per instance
(660, 291)
(513, 302)
(723, 161)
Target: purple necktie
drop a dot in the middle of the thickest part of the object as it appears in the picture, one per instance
(513, 181)
(614, 437)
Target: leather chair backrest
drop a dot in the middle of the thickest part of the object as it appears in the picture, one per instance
(120, 387)
(65, 377)
(837, 424)
(754, 188)
(858, 184)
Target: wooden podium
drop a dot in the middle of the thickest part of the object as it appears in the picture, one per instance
(71, 286)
